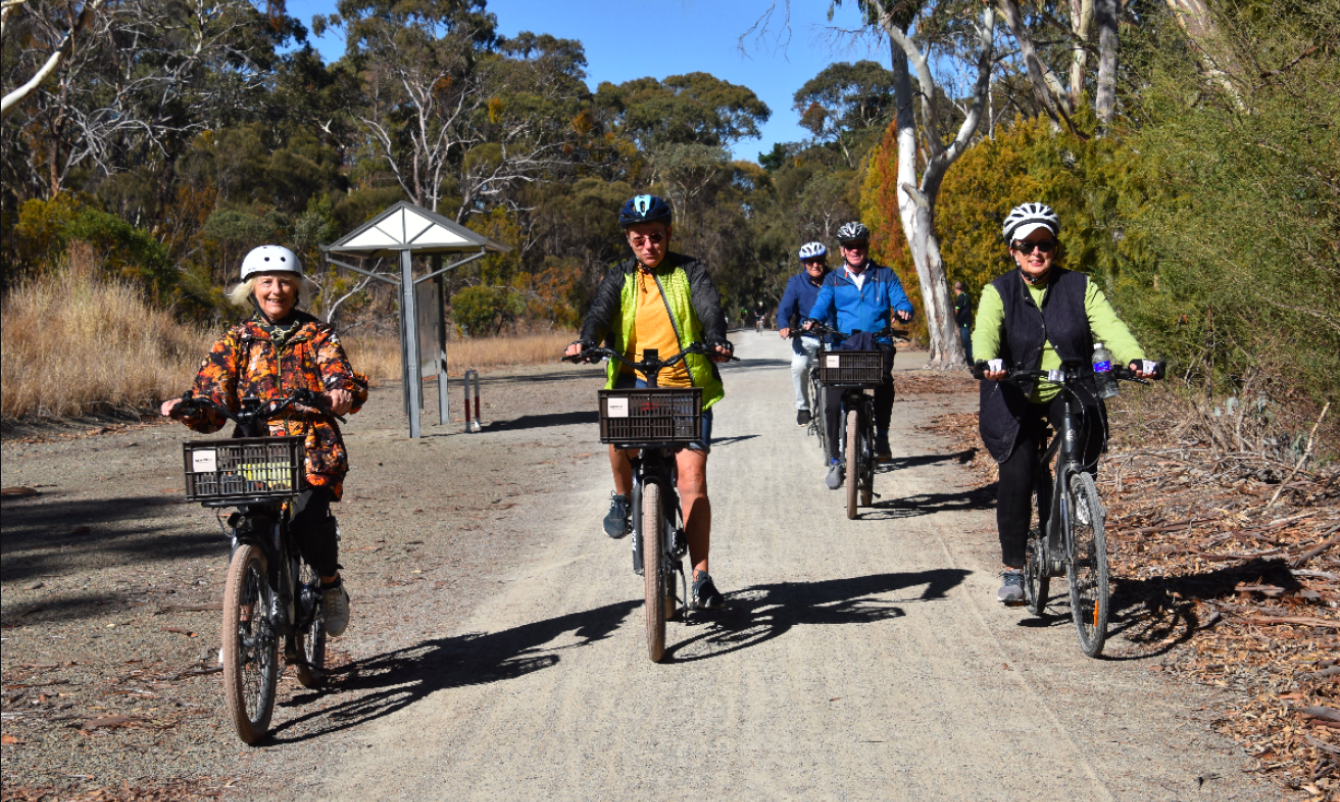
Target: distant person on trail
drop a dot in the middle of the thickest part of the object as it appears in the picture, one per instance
(760, 315)
(963, 317)
(801, 291)
(274, 352)
(662, 300)
(862, 296)
(1033, 317)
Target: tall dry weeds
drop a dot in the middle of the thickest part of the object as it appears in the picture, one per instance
(73, 344)
(379, 356)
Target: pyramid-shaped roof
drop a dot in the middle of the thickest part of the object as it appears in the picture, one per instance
(405, 226)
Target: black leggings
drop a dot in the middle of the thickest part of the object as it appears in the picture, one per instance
(1014, 500)
(314, 530)
(883, 404)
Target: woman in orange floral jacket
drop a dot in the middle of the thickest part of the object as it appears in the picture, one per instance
(278, 350)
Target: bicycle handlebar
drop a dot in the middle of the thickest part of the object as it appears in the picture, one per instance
(821, 329)
(252, 410)
(646, 364)
(1068, 373)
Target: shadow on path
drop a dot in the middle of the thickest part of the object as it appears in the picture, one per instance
(388, 683)
(892, 509)
(761, 613)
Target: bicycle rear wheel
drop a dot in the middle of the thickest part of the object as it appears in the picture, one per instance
(1087, 566)
(653, 570)
(853, 460)
(1037, 581)
(867, 457)
(250, 647)
(310, 640)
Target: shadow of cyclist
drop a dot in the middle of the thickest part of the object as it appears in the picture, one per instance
(978, 498)
(761, 613)
(387, 683)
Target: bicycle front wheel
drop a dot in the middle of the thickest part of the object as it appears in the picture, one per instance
(853, 460)
(819, 420)
(311, 640)
(653, 570)
(250, 647)
(1087, 566)
(867, 457)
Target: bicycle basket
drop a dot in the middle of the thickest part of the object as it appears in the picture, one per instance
(243, 468)
(671, 416)
(850, 368)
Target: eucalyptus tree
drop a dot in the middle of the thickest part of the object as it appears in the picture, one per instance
(926, 147)
(847, 107)
(145, 77)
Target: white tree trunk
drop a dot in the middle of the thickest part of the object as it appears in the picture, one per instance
(1105, 99)
(12, 99)
(916, 200)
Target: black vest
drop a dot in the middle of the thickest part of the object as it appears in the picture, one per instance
(1061, 321)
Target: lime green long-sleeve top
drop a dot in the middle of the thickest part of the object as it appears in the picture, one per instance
(1106, 327)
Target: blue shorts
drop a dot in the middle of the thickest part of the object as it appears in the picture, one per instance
(629, 382)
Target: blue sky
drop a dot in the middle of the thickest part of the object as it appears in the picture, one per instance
(637, 38)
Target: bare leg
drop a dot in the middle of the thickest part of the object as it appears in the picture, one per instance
(697, 507)
(623, 471)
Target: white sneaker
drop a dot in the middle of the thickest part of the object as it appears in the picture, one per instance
(335, 609)
(834, 478)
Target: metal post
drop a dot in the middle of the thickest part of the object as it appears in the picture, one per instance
(474, 425)
(443, 414)
(410, 329)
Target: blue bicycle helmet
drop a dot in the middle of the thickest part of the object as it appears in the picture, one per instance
(812, 250)
(645, 209)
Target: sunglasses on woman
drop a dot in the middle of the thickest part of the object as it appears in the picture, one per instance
(1025, 247)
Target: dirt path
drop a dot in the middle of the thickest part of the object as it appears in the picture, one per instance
(856, 659)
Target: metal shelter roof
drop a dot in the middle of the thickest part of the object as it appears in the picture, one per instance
(406, 227)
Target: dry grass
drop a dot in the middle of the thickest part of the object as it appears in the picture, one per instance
(379, 356)
(72, 344)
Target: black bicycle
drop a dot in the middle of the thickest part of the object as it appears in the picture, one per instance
(1071, 541)
(818, 399)
(858, 373)
(272, 596)
(654, 422)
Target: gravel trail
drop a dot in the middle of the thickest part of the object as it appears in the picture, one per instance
(856, 659)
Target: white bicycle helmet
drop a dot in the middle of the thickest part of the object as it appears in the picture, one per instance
(812, 250)
(1029, 217)
(270, 259)
(854, 231)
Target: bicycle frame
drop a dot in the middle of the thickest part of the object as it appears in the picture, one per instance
(265, 525)
(1059, 548)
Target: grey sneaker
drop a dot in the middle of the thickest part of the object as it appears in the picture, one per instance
(705, 593)
(616, 521)
(1012, 588)
(834, 477)
(335, 609)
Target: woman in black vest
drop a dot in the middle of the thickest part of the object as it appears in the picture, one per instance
(1035, 317)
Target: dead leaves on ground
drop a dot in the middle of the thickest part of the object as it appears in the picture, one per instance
(1224, 588)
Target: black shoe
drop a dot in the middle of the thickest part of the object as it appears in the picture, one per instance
(616, 521)
(803, 417)
(882, 451)
(705, 593)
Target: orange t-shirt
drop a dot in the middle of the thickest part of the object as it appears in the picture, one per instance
(652, 329)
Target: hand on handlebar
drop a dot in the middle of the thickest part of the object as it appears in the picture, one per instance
(340, 401)
(785, 332)
(901, 315)
(725, 352)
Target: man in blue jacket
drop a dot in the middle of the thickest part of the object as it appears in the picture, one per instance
(800, 293)
(861, 294)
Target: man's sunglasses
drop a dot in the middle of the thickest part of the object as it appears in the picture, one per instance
(1025, 247)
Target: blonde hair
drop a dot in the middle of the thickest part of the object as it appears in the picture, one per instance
(241, 294)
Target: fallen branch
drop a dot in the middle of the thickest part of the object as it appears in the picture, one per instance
(1299, 620)
(1149, 530)
(1316, 550)
(1307, 452)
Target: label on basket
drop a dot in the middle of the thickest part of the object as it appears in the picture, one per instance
(833, 361)
(616, 407)
(204, 460)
